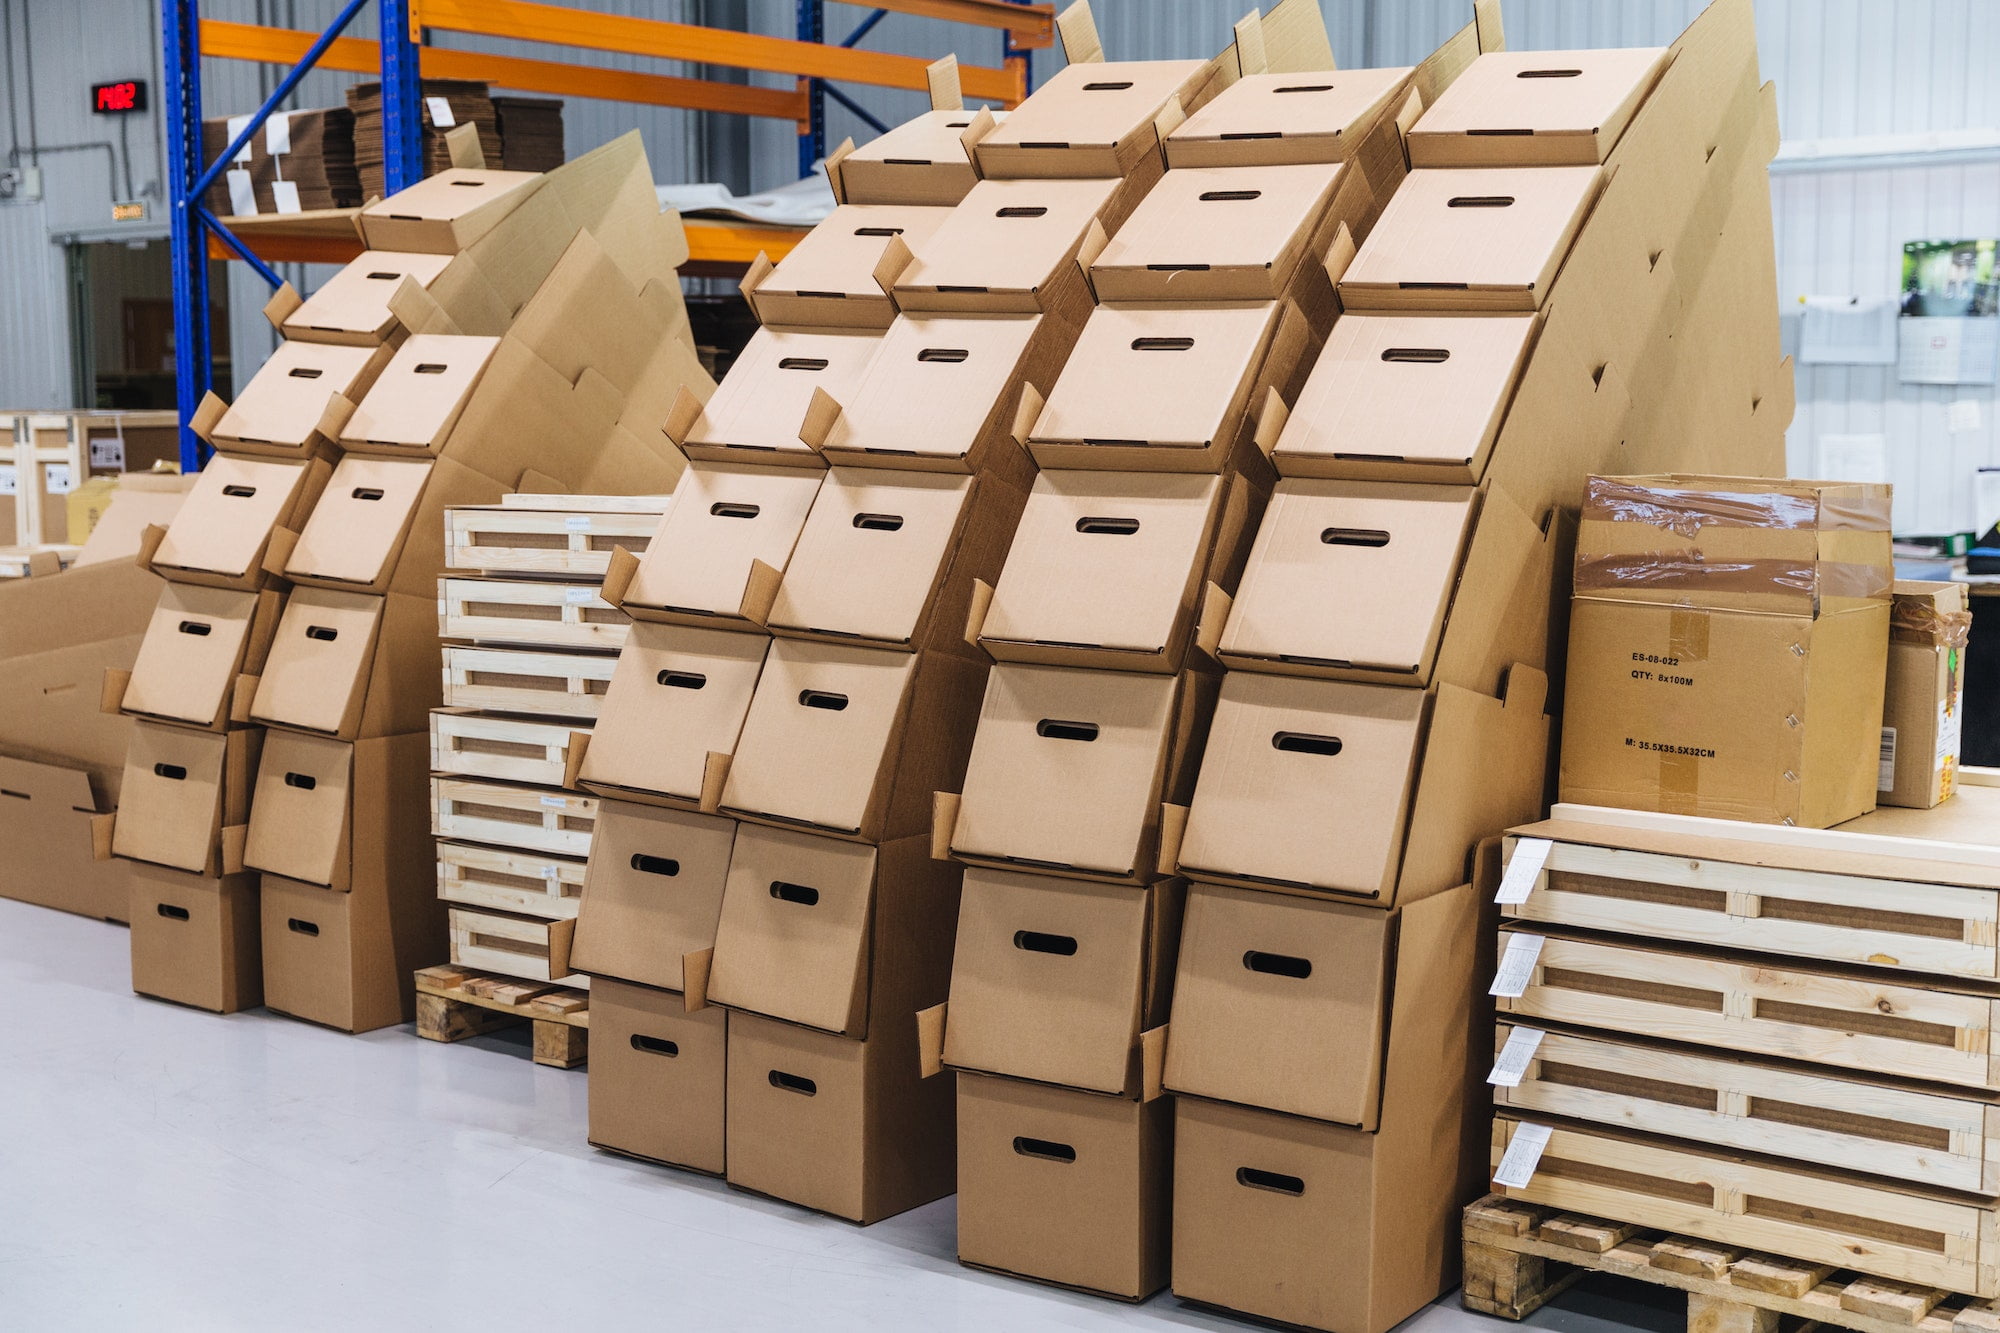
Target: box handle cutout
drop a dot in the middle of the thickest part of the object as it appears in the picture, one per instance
(793, 1083)
(1036, 941)
(1229, 196)
(1118, 87)
(802, 363)
(953, 125)
(367, 493)
(1162, 344)
(725, 509)
(303, 781)
(654, 1045)
(196, 628)
(1480, 201)
(827, 699)
(1107, 527)
(802, 894)
(17, 795)
(1548, 74)
(301, 927)
(1424, 356)
(1278, 964)
(1304, 742)
(682, 680)
(1260, 134)
(305, 372)
(239, 492)
(1020, 211)
(1305, 88)
(948, 355)
(431, 368)
(171, 772)
(1269, 1180)
(879, 522)
(385, 276)
(1056, 730)
(471, 185)
(655, 865)
(1354, 537)
(878, 231)
(173, 913)
(324, 633)
(1045, 1149)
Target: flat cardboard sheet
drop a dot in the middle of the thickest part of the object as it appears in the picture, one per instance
(652, 895)
(678, 696)
(1537, 108)
(1218, 234)
(1292, 117)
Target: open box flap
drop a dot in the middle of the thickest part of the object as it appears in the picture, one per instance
(282, 406)
(931, 389)
(354, 304)
(1089, 105)
(199, 640)
(1006, 237)
(316, 677)
(760, 402)
(724, 520)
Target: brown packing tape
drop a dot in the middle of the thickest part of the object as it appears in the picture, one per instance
(1918, 621)
(1697, 578)
(1686, 505)
(1687, 635)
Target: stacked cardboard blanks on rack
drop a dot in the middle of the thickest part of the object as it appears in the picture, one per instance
(529, 649)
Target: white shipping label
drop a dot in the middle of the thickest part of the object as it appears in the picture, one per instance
(285, 196)
(10, 481)
(1524, 870)
(1517, 966)
(440, 110)
(242, 194)
(278, 134)
(576, 523)
(1515, 1057)
(556, 802)
(1523, 1155)
(580, 596)
(1885, 768)
(107, 453)
(552, 873)
(238, 124)
(56, 479)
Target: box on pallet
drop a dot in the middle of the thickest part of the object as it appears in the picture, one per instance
(1922, 717)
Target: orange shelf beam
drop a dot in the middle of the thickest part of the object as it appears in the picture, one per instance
(1033, 26)
(716, 244)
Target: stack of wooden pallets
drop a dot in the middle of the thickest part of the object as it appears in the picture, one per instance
(1760, 1041)
(529, 647)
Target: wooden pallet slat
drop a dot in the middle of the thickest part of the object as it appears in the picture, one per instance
(507, 749)
(529, 614)
(567, 542)
(510, 880)
(530, 954)
(528, 819)
(455, 1002)
(537, 684)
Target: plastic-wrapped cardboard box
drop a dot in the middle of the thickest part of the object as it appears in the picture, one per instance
(1922, 714)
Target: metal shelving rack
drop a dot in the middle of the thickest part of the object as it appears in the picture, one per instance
(400, 56)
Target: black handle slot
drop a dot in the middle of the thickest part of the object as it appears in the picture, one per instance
(1046, 1149)
(655, 865)
(955, 125)
(1057, 730)
(879, 522)
(239, 492)
(1037, 941)
(1354, 537)
(1118, 87)
(878, 231)
(305, 372)
(431, 368)
(1270, 1180)
(1305, 88)
(727, 509)
(1257, 134)
(950, 356)
(654, 1045)
(1107, 527)
(1021, 211)
(196, 628)
(173, 913)
(1304, 742)
(384, 276)
(299, 927)
(827, 699)
(16, 795)
(1548, 74)
(323, 633)
(1177, 268)
(802, 894)
(303, 781)
(1278, 964)
(171, 772)
(1162, 344)
(681, 680)
(1423, 356)
(471, 185)
(802, 363)
(805, 1087)
(367, 492)
(1229, 196)
(1480, 201)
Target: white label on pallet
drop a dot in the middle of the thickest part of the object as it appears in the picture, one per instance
(56, 479)
(579, 596)
(1523, 1155)
(107, 453)
(576, 523)
(1524, 870)
(285, 196)
(1515, 1057)
(552, 873)
(278, 134)
(556, 802)
(440, 110)
(1517, 966)
(10, 480)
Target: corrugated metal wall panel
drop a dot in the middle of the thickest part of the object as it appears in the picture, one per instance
(34, 324)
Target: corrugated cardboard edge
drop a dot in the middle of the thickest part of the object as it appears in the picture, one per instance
(1294, 40)
(1077, 27)
(1249, 45)
(982, 125)
(281, 305)
(834, 161)
(942, 76)
(695, 968)
(944, 823)
(930, 1039)
(822, 415)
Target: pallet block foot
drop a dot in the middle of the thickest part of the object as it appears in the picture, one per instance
(1712, 1314)
(559, 1045)
(454, 1003)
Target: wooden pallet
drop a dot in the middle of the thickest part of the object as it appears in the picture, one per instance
(513, 680)
(454, 1003)
(509, 880)
(532, 615)
(1518, 1256)
(525, 948)
(20, 562)
(558, 823)
(507, 749)
(561, 541)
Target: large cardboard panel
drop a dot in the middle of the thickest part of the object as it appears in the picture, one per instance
(352, 306)
(841, 273)
(196, 940)
(1219, 234)
(758, 408)
(657, 1076)
(1536, 108)
(729, 532)
(239, 514)
(201, 640)
(652, 895)
(418, 397)
(675, 706)
(143, 500)
(1012, 246)
(351, 665)
(445, 213)
(282, 409)
(1261, 119)
(1093, 119)
(48, 820)
(185, 797)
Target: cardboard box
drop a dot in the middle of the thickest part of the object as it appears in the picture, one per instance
(1537, 108)
(652, 894)
(201, 642)
(891, 558)
(921, 161)
(1069, 770)
(944, 394)
(1116, 569)
(1744, 715)
(238, 523)
(842, 272)
(672, 715)
(721, 549)
(853, 742)
(1325, 786)
(351, 665)
(836, 936)
(196, 940)
(296, 403)
(1489, 238)
(1063, 982)
(1017, 246)
(446, 213)
(1095, 119)
(143, 500)
(349, 960)
(51, 821)
(186, 797)
(1795, 548)
(1154, 388)
(378, 524)
(1921, 714)
(845, 1127)
(418, 397)
(1406, 398)
(350, 816)
(1331, 1226)
(657, 1076)
(758, 409)
(352, 306)
(1266, 119)
(1234, 233)
(1398, 584)
(1065, 1187)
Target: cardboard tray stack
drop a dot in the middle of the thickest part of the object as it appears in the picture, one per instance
(300, 161)
(503, 330)
(531, 132)
(463, 102)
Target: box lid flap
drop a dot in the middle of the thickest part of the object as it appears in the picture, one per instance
(318, 667)
(1477, 228)
(1096, 104)
(724, 519)
(932, 138)
(1543, 92)
(192, 652)
(793, 939)
(357, 527)
(1222, 218)
(284, 401)
(652, 893)
(1008, 235)
(871, 552)
(170, 801)
(838, 257)
(762, 401)
(299, 817)
(454, 194)
(1334, 105)
(933, 384)
(676, 696)
(356, 299)
(419, 394)
(229, 514)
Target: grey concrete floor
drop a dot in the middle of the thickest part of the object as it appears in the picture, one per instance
(166, 1169)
